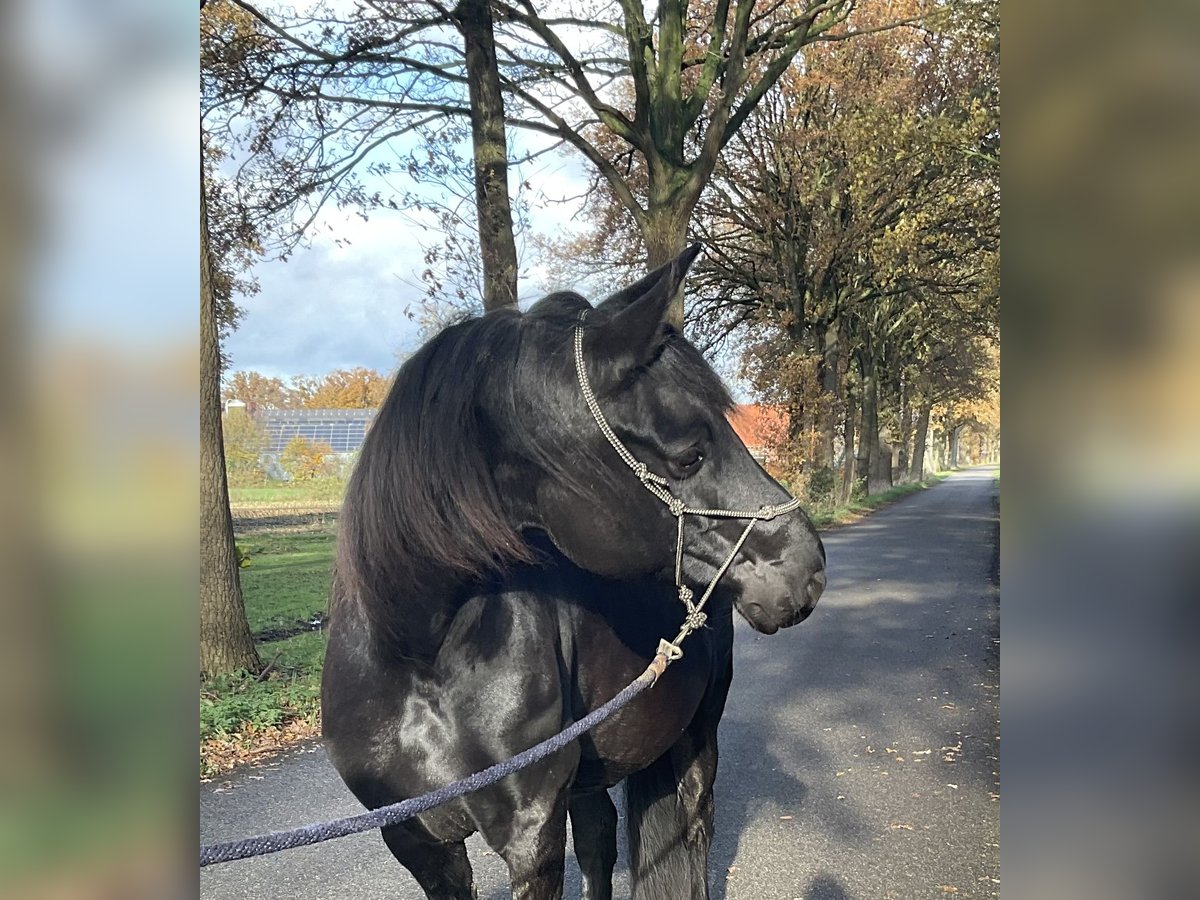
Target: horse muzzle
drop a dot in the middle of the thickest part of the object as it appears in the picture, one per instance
(776, 595)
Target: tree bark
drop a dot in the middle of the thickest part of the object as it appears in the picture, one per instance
(666, 238)
(916, 466)
(497, 245)
(225, 641)
(848, 456)
(868, 431)
(905, 432)
(880, 478)
(830, 388)
(874, 458)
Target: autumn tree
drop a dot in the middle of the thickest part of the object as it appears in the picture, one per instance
(359, 388)
(305, 460)
(854, 235)
(692, 74)
(256, 391)
(227, 243)
(245, 442)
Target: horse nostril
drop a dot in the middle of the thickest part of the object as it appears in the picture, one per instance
(816, 584)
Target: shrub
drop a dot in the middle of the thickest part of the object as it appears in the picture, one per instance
(245, 442)
(305, 460)
(820, 485)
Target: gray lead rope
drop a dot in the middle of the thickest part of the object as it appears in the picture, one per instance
(386, 816)
(660, 487)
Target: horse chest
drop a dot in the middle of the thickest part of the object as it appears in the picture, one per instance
(646, 729)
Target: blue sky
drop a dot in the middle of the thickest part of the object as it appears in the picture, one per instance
(343, 305)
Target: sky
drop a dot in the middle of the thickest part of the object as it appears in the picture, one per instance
(350, 297)
(341, 305)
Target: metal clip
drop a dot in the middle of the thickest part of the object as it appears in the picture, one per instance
(669, 650)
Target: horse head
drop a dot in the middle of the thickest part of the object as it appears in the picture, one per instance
(666, 406)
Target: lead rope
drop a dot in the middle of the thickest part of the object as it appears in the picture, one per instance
(660, 488)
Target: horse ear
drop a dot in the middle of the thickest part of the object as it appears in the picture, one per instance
(676, 269)
(631, 334)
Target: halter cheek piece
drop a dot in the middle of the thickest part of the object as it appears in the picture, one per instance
(660, 488)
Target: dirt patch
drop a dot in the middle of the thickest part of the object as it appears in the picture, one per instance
(316, 623)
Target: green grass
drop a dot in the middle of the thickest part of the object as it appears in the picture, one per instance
(290, 690)
(841, 515)
(288, 577)
(317, 490)
(286, 582)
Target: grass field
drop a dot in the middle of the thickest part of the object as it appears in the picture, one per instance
(318, 490)
(856, 509)
(285, 586)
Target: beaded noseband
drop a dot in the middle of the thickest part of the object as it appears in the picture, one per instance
(660, 488)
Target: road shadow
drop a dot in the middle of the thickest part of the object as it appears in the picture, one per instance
(903, 650)
(825, 887)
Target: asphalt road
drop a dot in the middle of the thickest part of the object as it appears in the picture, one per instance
(859, 750)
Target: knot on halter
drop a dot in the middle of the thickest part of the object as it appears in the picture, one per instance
(685, 596)
(640, 470)
(676, 506)
(695, 619)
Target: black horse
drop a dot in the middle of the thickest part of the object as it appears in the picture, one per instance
(502, 571)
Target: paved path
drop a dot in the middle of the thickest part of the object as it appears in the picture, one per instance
(859, 750)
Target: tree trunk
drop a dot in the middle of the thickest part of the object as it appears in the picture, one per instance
(666, 237)
(905, 432)
(880, 478)
(494, 212)
(874, 457)
(916, 470)
(868, 436)
(848, 448)
(830, 387)
(225, 641)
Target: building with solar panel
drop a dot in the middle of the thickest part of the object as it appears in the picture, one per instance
(341, 429)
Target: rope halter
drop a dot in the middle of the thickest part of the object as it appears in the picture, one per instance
(660, 487)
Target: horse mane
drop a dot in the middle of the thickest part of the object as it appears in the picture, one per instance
(421, 506)
(423, 516)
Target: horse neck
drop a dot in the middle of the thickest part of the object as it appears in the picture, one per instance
(391, 629)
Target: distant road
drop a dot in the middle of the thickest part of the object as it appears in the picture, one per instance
(859, 750)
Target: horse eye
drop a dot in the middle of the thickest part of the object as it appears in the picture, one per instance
(689, 460)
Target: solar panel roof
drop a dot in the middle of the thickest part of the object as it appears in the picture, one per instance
(342, 429)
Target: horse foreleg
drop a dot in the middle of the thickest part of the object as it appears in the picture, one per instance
(658, 867)
(535, 848)
(594, 826)
(694, 760)
(442, 870)
(670, 808)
